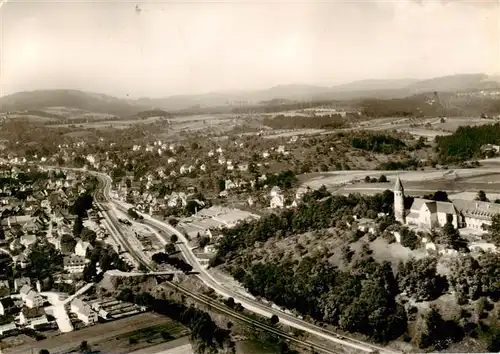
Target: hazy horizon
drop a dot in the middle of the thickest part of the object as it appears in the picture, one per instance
(197, 47)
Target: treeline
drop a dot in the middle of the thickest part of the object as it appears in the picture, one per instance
(362, 300)
(317, 214)
(333, 121)
(162, 258)
(152, 113)
(280, 106)
(203, 329)
(466, 142)
(410, 164)
(384, 144)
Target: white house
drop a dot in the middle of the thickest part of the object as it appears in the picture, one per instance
(277, 199)
(33, 299)
(229, 184)
(74, 264)
(81, 248)
(8, 327)
(33, 317)
(83, 311)
(20, 282)
(30, 297)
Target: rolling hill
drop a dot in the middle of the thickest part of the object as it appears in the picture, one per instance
(86, 101)
(402, 89)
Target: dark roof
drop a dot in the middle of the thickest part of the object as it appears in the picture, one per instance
(7, 302)
(34, 312)
(432, 206)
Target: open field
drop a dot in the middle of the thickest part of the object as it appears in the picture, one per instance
(415, 182)
(176, 346)
(102, 336)
(117, 124)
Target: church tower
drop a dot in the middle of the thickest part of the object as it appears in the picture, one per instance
(399, 201)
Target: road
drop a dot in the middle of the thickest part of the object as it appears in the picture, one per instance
(250, 304)
(204, 299)
(335, 178)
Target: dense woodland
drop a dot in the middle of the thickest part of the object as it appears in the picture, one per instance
(364, 295)
(466, 142)
(384, 144)
(204, 330)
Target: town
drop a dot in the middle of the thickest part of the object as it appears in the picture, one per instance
(233, 178)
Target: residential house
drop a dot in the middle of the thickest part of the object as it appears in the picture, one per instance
(8, 327)
(74, 264)
(28, 240)
(30, 297)
(33, 317)
(20, 282)
(229, 184)
(82, 247)
(277, 199)
(83, 311)
(4, 288)
(21, 261)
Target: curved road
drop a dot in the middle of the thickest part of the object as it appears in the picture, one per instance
(250, 304)
(333, 178)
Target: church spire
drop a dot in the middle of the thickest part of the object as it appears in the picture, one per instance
(398, 186)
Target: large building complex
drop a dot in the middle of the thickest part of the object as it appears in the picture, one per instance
(429, 214)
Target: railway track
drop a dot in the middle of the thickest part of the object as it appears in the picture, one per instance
(353, 344)
(212, 303)
(255, 323)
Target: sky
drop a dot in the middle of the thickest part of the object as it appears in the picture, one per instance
(181, 47)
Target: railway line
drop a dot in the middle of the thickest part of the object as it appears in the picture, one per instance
(203, 299)
(103, 200)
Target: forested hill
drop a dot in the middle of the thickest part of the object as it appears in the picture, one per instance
(466, 142)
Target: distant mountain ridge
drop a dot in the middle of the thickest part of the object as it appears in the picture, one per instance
(373, 88)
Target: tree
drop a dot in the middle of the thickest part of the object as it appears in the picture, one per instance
(43, 351)
(174, 238)
(169, 248)
(82, 204)
(420, 280)
(205, 240)
(222, 185)
(437, 333)
(68, 243)
(84, 347)
(274, 320)
(78, 227)
(451, 238)
(88, 235)
(382, 179)
(409, 239)
(494, 230)
(481, 196)
(440, 196)
(173, 222)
